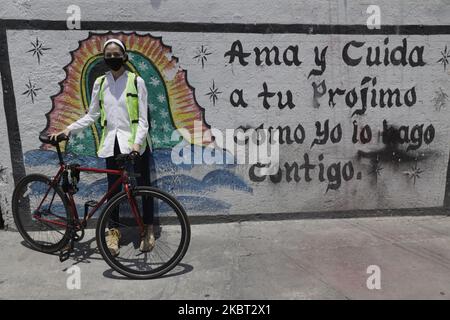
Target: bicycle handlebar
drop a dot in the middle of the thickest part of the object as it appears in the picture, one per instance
(121, 158)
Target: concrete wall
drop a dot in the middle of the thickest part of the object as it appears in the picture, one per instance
(391, 155)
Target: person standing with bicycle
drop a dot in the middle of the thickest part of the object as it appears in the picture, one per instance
(119, 98)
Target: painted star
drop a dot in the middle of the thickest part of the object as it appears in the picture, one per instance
(202, 54)
(164, 114)
(79, 148)
(213, 93)
(31, 90)
(143, 65)
(161, 98)
(376, 170)
(165, 127)
(154, 81)
(80, 135)
(414, 173)
(38, 49)
(445, 56)
(155, 140)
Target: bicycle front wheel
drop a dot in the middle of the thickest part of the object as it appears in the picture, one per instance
(41, 213)
(171, 230)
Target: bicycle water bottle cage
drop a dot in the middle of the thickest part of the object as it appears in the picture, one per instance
(65, 184)
(75, 177)
(75, 172)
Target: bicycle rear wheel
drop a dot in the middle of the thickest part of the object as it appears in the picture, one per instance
(41, 213)
(171, 230)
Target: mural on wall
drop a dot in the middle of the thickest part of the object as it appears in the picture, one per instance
(171, 105)
(362, 118)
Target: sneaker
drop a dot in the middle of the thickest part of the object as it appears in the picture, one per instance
(148, 241)
(112, 241)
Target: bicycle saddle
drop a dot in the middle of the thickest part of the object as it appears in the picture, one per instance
(44, 138)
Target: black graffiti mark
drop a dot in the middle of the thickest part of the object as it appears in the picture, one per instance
(264, 56)
(392, 138)
(333, 174)
(352, 56)
(444, 59)
(391, 154)
(213, 93)
(403, 135)
(202, 55)
(38, 49)
(31, 90)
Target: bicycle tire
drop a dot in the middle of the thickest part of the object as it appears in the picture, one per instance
(18, 217)
(176, 258)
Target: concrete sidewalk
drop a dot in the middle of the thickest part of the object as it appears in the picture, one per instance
(290, 259)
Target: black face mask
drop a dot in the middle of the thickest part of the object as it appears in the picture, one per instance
(114, 63)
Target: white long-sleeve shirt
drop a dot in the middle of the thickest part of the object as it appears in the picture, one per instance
(117, 118)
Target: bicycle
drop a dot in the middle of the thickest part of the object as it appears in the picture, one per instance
(49, 222)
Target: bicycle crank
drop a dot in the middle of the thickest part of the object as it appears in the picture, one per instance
(64, 254)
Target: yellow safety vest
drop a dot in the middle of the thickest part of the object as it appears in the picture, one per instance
(132, 103)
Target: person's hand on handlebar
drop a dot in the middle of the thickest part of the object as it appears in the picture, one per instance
(55, 135)
(136, 147)
(134, 155)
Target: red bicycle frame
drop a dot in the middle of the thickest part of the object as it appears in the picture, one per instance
(74, 212)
